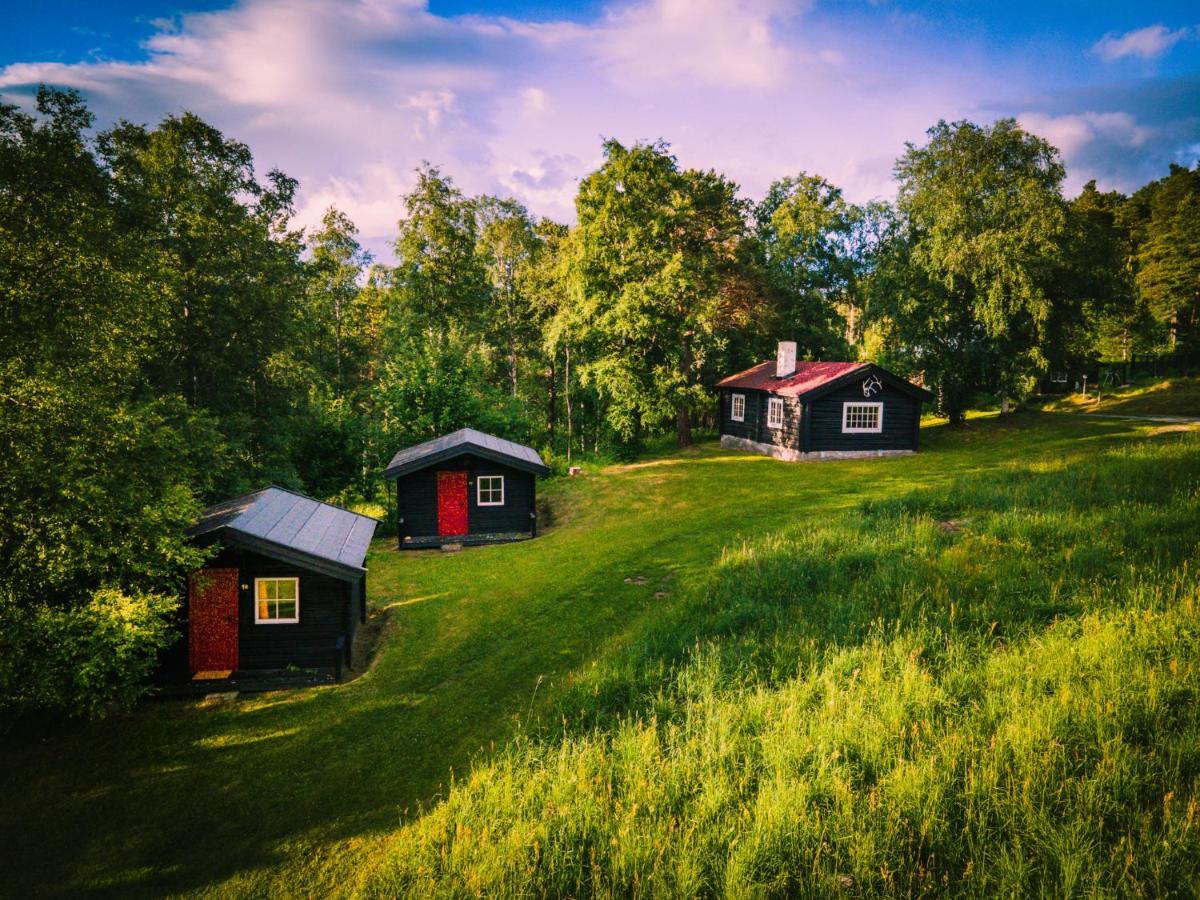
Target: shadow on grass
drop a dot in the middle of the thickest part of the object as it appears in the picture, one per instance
(173, 799)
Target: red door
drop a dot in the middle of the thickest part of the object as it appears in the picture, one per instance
(452, 503)
(213, 620)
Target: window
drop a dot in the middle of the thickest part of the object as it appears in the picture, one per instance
(489, 490)
(737, 408)
(775, 413)
(862, 417)
(276, 601)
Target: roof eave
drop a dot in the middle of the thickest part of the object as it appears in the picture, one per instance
(330, 567)
(395, 471)
(849, 375)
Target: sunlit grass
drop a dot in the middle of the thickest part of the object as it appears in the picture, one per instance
(1176, 396)
(712, 691)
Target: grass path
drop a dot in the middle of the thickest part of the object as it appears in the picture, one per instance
(295, 789)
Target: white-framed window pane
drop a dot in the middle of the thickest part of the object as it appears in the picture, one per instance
(862, 417)
(489, 490)
(737, 411)
(775, 413)
(277, 600)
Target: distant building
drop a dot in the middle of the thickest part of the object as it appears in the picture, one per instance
(465, 488)
(819, 410)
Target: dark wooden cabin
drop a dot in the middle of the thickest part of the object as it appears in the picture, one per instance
(287, 587)
(819, 410)
(466, 488)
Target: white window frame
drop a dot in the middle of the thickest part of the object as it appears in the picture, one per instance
(735, 414)
(774, 407)
(851, 404)
(258, 620)
(479, 480)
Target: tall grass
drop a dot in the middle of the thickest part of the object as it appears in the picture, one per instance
(986, 687)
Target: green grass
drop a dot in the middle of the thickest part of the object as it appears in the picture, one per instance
(1149, 397)
(974, 668)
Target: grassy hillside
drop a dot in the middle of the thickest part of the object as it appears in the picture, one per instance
(1148, 397)
(975, 668)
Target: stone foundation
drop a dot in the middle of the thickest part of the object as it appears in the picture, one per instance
(787, 454)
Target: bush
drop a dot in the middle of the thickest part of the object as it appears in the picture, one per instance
(80, 659)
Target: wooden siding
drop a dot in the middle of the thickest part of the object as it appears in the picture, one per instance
(325, 616)
(901, 419)
(755, 427)
(416, 499)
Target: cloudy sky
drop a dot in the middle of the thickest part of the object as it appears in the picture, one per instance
(514, 96)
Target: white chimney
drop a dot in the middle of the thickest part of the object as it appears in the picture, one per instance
(785, 363)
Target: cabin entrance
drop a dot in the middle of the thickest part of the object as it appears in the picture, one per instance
(452, 503)
(213, 620)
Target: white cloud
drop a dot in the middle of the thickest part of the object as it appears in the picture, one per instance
(1072, 132)
(349, 96)
(711, 41)
(1148, 43)
(533, 101)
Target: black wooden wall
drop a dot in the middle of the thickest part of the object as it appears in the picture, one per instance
(326, 614)
(755, 427)
(417, 505)
(901, 420)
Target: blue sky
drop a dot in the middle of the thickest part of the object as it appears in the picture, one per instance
(514, 97)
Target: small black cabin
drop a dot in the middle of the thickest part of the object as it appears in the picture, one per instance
(287, 586)
(467, 488)
(819, 410)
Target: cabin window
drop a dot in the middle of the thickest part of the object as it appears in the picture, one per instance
(862, 417)
(276, 601)
(489, 490)
(775, 413)
(737, 408)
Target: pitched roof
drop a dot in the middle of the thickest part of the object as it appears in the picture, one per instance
(465, 440)
(295, 527)
(808, 377)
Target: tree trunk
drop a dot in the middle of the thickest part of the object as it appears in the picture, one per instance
(552, 400)
(337, 341)
(567, 389)
(683, 425)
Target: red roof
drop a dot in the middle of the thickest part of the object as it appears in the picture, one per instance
(807, 377)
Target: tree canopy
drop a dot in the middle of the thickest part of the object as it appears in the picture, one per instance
(170, 337)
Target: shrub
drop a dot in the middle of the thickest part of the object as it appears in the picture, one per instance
(80, 659)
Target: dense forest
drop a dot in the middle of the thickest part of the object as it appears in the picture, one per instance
(169, 336)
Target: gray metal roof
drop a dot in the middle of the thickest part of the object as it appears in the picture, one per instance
(298, 527)
(465, 440)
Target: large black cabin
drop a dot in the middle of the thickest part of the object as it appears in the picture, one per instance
(819, 410)
(467, 488)
(285, 589)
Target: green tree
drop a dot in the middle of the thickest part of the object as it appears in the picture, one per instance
(805, 230)
(98, 476)
(336, 322)
(439, 280)
(506, 246)
(1168, 257)
(963, 285)
(1097, 312)
(228, 279)
(656, 264)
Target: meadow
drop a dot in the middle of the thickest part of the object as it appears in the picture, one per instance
(973, 670)
(1148, 396)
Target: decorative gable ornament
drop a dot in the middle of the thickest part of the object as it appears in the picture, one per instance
(871, 386)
